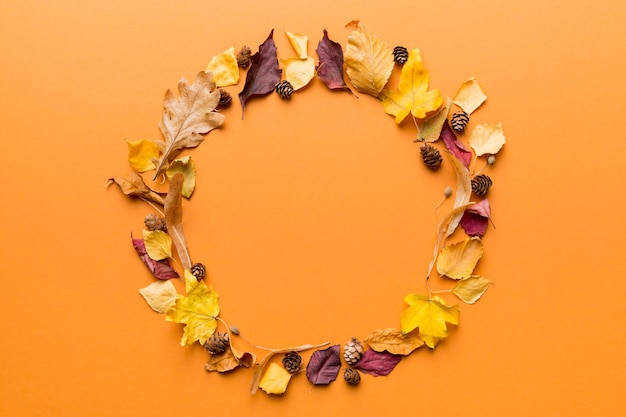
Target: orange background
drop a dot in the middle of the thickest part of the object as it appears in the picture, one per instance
(314, 216)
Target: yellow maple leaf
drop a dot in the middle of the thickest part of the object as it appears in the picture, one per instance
(197, 311)
(459, 259)
(141, 154)
(430, 315)
(471, 289)
(275, 379)
(224, 68)
(158, 244)
(412, 95)
(186, 167)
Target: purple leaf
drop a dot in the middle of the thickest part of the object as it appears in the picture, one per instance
(330, 69)
(377, 363)
(324, 366)
(455, 146)
(264, 72)
(160, 269)
(475, 218)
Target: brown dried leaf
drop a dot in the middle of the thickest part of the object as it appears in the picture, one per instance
(463, 191)
(133, 185)
(222, 362)
(174, 219)
(393, 341)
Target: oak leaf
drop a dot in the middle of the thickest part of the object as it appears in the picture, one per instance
(476, 218)
(413, 95)
(429, 130)
(431, 316)
(160, 269)
(186, 167)
(158, 244)
(324, 365)
(470, 289)
(470, 96)
(160, 295)
(377, 363)
(224, 68)
(275, 379)
(459, 259)
(369, 61)
(487, 138)
(133, 185)
(173, 206)
(330, 69)
(141, 155)
(393, 341)
(187, 118)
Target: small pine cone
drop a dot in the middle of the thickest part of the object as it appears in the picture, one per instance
(400, 54)
(225, 99)
(352, 376)
(459, 121)
(243, 57)
(198, 270)
(284, 89)
(217, 343)
(481, 184)
(431, 156)
(154, 222)
(352, 351)
(292, 362)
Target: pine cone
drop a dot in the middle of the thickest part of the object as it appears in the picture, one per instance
(284, 89)
(400, 54)
(154, 222)
(225, 99)
(431, 156)
(243, 57)
(352, 376)
(481, 184)
(198, 270)
(292, 362)
(459, 121)
(352, 351)
(217, 343)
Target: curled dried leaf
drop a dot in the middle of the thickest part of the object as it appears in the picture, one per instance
(393, 341)
(174, 219)
(133, 185)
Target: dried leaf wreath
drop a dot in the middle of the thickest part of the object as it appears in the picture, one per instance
(189, 116)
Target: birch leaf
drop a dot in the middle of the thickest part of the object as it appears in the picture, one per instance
(412, 96)
(429, 130)
(141, 154)
(470, 289)
(133, 185)
(263, 74)
(160, 295)
(393, 341)
(160, 269)
(487, 139)
(463, 191)
(330, 69)
(187, 118)
(275, 379)
(459, 259)
(299, 72)
(369, 61)
(224, 68)
(186, 167)
(470, 96)
(158, 244)
(476, 218)
(430, 315)
(174, 219)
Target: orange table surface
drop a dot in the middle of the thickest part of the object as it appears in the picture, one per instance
(315, 215)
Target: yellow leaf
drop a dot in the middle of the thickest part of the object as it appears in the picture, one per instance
(275, 379)
(470, 96)
(487, 138)
(224, 68)
(197, 311)
(393, 341)
(186, 167)
(463, 191)
(158, 244)
(299, 71)
(430, 316)
(160, 295)
(412, 95)
(458, 260)
(429, 129)
(471, 289)
(299, 44)
(141, 153)
(368, 60)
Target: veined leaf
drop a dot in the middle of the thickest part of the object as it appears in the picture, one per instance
(160, 295)
(487, 139)
(133, 185)
(141, 155)
(470, 289)
(186, 167)
(393, 341)
(377, 363)
(330, 69)
(275, 379)
(160, 269)
(158, 244)
(459, 259)
(431, 316)
(224, 68)
(476, 218)
(429, 130)
(324, 366)
(470, 96)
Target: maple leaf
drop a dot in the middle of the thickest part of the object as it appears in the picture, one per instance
(430, 315)
(263, 74)
(413, 95)
(187, 118)
(330, 69)
(459, 259)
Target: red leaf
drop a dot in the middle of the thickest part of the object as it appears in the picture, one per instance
(160, 269)
(475, 218)
(377, 363)
(264, 72)
(330, 69)
(324, 366)
(455, 146)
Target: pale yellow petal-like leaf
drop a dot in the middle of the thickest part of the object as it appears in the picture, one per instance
(186, 167)
(487, 139)
(463, 191)
(158, 244)
(299, 72)
(275, 379)
(393, 341)
(299, 44)
(141, 154)
(160, 295)
(224, 68)
(459, 259)
(430, 315)
(429, 129)
(470, 96)
(471, 289)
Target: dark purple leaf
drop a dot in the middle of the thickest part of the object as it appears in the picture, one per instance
(264, 72)
(455, 146)
(324, 366)
(377, 363)
(475, 218)
(330, 69)
(160, 269)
